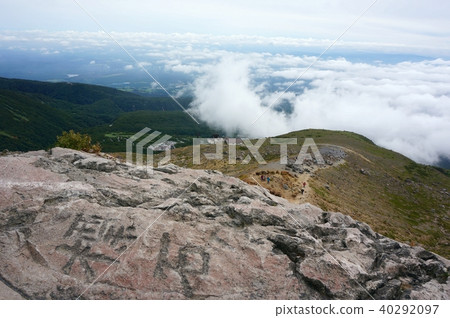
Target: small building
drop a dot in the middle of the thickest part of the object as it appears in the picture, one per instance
(163, 146)
(234, 141)
(213, 141)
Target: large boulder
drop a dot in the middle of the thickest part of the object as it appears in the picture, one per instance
(74, 225)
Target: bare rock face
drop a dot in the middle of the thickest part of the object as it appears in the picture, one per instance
(74, 225)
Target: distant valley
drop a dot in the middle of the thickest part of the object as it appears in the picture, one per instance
(33, 113)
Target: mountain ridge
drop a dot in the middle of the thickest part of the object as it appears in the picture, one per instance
(397, 197)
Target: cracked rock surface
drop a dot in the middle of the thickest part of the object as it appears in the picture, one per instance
(75, 225)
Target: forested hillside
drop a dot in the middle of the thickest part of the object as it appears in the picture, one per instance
(33, 113)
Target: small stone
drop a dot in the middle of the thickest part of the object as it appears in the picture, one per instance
(244, 200)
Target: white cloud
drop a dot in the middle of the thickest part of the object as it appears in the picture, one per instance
(404, 106)
(400, 22)
(206, 46)
(224, 98)
(145, 64)
(128, 67)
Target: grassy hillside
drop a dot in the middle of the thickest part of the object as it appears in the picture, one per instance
(33, 113)
(26, 123)
(174, 123)
(85, 94)
(397, 197)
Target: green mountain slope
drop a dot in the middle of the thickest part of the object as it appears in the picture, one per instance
(33, 113)
(27, 123)
(85, 94)
(397, 197)
(174, 123)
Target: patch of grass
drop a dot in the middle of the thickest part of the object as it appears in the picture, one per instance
(16, 115)
(443, 171)
(4, 133)
(319, 191)
(418, 169)
(118, 134)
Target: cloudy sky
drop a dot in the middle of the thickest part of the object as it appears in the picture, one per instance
(415, 23)
(388, 77)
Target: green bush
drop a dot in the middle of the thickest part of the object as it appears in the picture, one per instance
(77, 141)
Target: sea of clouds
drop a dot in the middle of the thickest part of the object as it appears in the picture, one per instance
(404, 107)
(239, 82)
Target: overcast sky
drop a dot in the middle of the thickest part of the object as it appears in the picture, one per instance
(415, 23)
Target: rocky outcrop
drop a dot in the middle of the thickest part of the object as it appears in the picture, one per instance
(75, 225)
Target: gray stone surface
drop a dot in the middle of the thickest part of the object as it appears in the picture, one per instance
(76, 225)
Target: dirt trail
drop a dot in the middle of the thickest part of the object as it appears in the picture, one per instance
(286, 183)
(347, 150)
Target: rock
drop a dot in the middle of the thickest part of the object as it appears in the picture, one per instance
(364, 172)
(67, 154)
(244, 200)
(170, 169)
(425, 255)
(7, 292)
(390, 290)
(75, 225)
(332, 154)
(96, 163)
